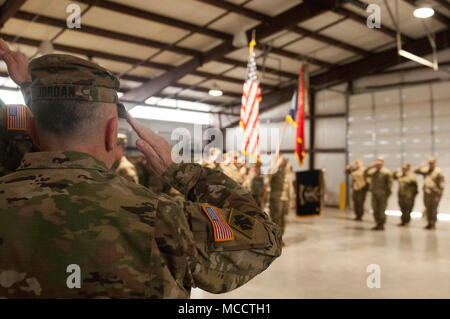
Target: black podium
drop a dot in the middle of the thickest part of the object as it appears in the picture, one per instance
(309, 190)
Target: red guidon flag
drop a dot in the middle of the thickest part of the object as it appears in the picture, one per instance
(296, 116)
(251, 96)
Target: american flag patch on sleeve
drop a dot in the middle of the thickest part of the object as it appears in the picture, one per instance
(222, 232)
(17, 117)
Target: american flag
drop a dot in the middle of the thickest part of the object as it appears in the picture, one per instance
(222, 232)
(251, 96)
(17, 117)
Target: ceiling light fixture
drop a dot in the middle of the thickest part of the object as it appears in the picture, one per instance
(418, 59)
(424, 12)
(240, 39)
(215, 90)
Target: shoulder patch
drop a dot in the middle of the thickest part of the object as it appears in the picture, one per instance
(222, 231)
(17, 118)
(242, 222)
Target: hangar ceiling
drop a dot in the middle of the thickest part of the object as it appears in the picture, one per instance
(179, 49)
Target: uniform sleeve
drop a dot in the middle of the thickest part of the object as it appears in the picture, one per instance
(389, 180)
(227, 238)
(26, 92)
(349, 169)
(441, 183)
(368, 172)
(421, 170)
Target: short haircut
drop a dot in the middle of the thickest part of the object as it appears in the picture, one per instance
(67, 118)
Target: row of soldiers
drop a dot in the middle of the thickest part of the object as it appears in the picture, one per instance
(378, 179)
(277, 189)
(279, 185)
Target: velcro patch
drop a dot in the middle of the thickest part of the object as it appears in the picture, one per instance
(242, 222)
(222, 232)
(17, 118)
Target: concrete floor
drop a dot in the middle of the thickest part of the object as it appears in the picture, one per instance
(327, 257)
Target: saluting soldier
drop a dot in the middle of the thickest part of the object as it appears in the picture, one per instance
(229, 167)
(433, 188)
(407, 191)
(69, 208)
(359, 187)
(381, 189)
(254, 183)
(213, 160)
(123, 166)
(281, 190)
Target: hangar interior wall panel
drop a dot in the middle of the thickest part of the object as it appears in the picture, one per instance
(329, 102)
(405, 124)
(330, 133)
(333, 166)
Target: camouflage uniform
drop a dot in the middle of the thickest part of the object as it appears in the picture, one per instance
(433, 188)
(232, 172)
(68, 208)
(156, 183)
(407, 191)
(359, 189)
(255, 185)
(280, 195)
(214, 159)
(128, 241)
(141, 169)
(124, 167)
(381, 188)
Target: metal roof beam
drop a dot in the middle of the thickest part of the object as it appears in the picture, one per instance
(299, 30)
(287, 19)
(26, 16)
(9, 9)
(121, 58)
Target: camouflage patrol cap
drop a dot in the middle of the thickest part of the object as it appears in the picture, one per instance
(66, 77)
(406, 166)
(122, 139)
(432, 159)
(380, 160)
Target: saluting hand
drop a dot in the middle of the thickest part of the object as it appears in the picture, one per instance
(155, 148)
(16, 62)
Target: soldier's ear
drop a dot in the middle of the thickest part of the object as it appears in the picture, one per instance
(33, 132)
(111, 134)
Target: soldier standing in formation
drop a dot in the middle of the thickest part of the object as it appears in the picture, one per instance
(407, 191)
(214, 159)
(281, 189)
(123, 166)
(254, 183)
(433, 187)
(70, 208)
(359, 187)
(380, 187)
(230, 167)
